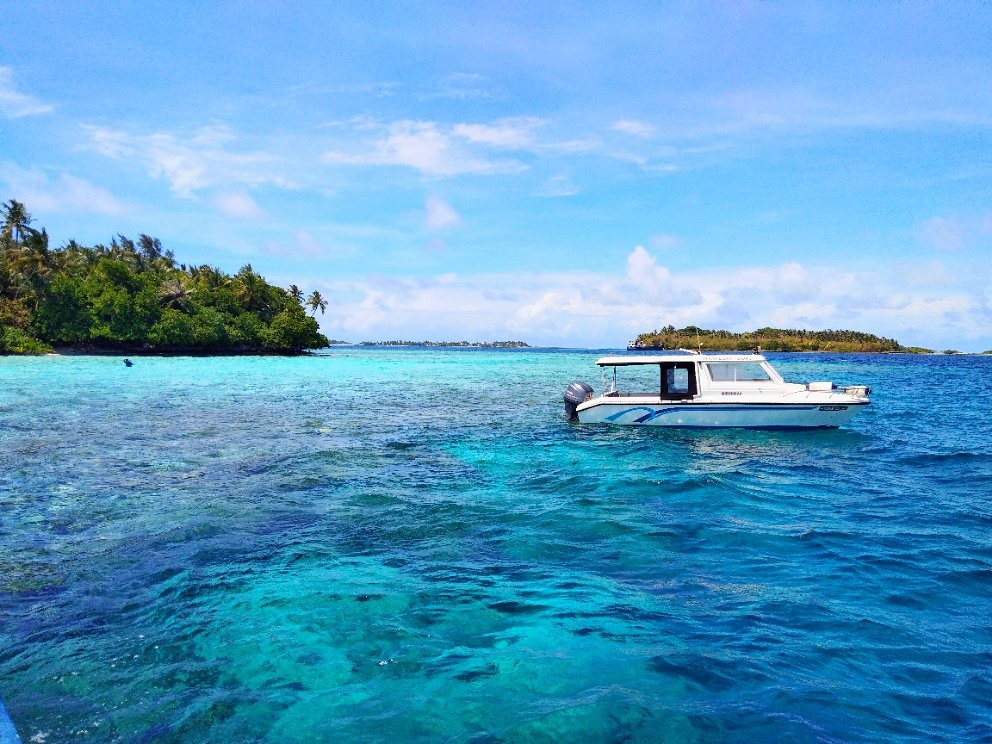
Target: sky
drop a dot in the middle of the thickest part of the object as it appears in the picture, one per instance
(566, 174)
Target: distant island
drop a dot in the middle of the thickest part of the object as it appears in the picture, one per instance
(447, 344)
(770, 339)
(132, 297)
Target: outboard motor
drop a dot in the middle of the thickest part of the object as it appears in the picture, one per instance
(575, 393)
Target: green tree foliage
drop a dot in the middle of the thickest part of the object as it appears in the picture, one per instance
(16, 341)
(65, 316)
(132, 296)
(289, 328)
(769, 339)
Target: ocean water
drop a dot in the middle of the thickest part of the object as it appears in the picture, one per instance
(414, 545)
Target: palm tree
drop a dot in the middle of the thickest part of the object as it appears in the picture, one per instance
(16, 224)
(316, 302)
(296, 293)
(122, 248)
(173, 293)
(33, 263)
(72, 258)
(209, 277)
(250, 288)
(151, 248)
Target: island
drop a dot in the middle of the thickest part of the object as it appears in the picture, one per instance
(132, 297)
(769, 339)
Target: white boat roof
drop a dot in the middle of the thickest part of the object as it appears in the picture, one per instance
(626, 361)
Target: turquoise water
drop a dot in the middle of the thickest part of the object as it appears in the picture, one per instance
(383, 545)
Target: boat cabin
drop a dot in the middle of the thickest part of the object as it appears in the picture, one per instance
(680, 377)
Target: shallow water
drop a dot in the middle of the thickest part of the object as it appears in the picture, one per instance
(381, 545)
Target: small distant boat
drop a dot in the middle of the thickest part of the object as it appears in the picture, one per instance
(636, 345)
(711, 391)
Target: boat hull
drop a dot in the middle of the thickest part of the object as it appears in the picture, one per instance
(719, 415)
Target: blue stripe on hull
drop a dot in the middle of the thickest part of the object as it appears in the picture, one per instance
(653, 413)
(758, 427)
(711, 416)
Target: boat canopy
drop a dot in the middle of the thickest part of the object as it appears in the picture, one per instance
(627, 361)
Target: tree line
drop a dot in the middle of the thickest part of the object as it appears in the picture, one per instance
(769, 339)
(131, 295)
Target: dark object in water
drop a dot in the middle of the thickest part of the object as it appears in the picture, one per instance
(128, 363)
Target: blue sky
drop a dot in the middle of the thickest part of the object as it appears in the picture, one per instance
(561, 173)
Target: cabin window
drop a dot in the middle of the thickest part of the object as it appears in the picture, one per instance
(678, 381)
(737, 372)
(667, 380)
(636, 380)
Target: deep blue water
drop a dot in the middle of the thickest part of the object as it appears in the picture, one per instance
(413, 545)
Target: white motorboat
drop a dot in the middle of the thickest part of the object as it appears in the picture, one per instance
(709, 390)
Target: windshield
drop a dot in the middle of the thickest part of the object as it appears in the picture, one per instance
(737, 372)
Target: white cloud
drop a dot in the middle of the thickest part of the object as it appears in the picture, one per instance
(559, 185)
(957, 233)
(709, 126)
(439, 215)
(305, 245)
(190, 164)
(570, 147)
(238, 205)
(425, 147)
(62, 192)
(378, 89)
(636, 128)
(643, 269)
(597, 309)
(792, 282)
(308, 245)
(512, 133)
(463, 86)
(926, 274)
(14, 103)
(663, 242)
(942, 233)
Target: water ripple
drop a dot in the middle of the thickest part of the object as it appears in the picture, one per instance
(375, 545)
